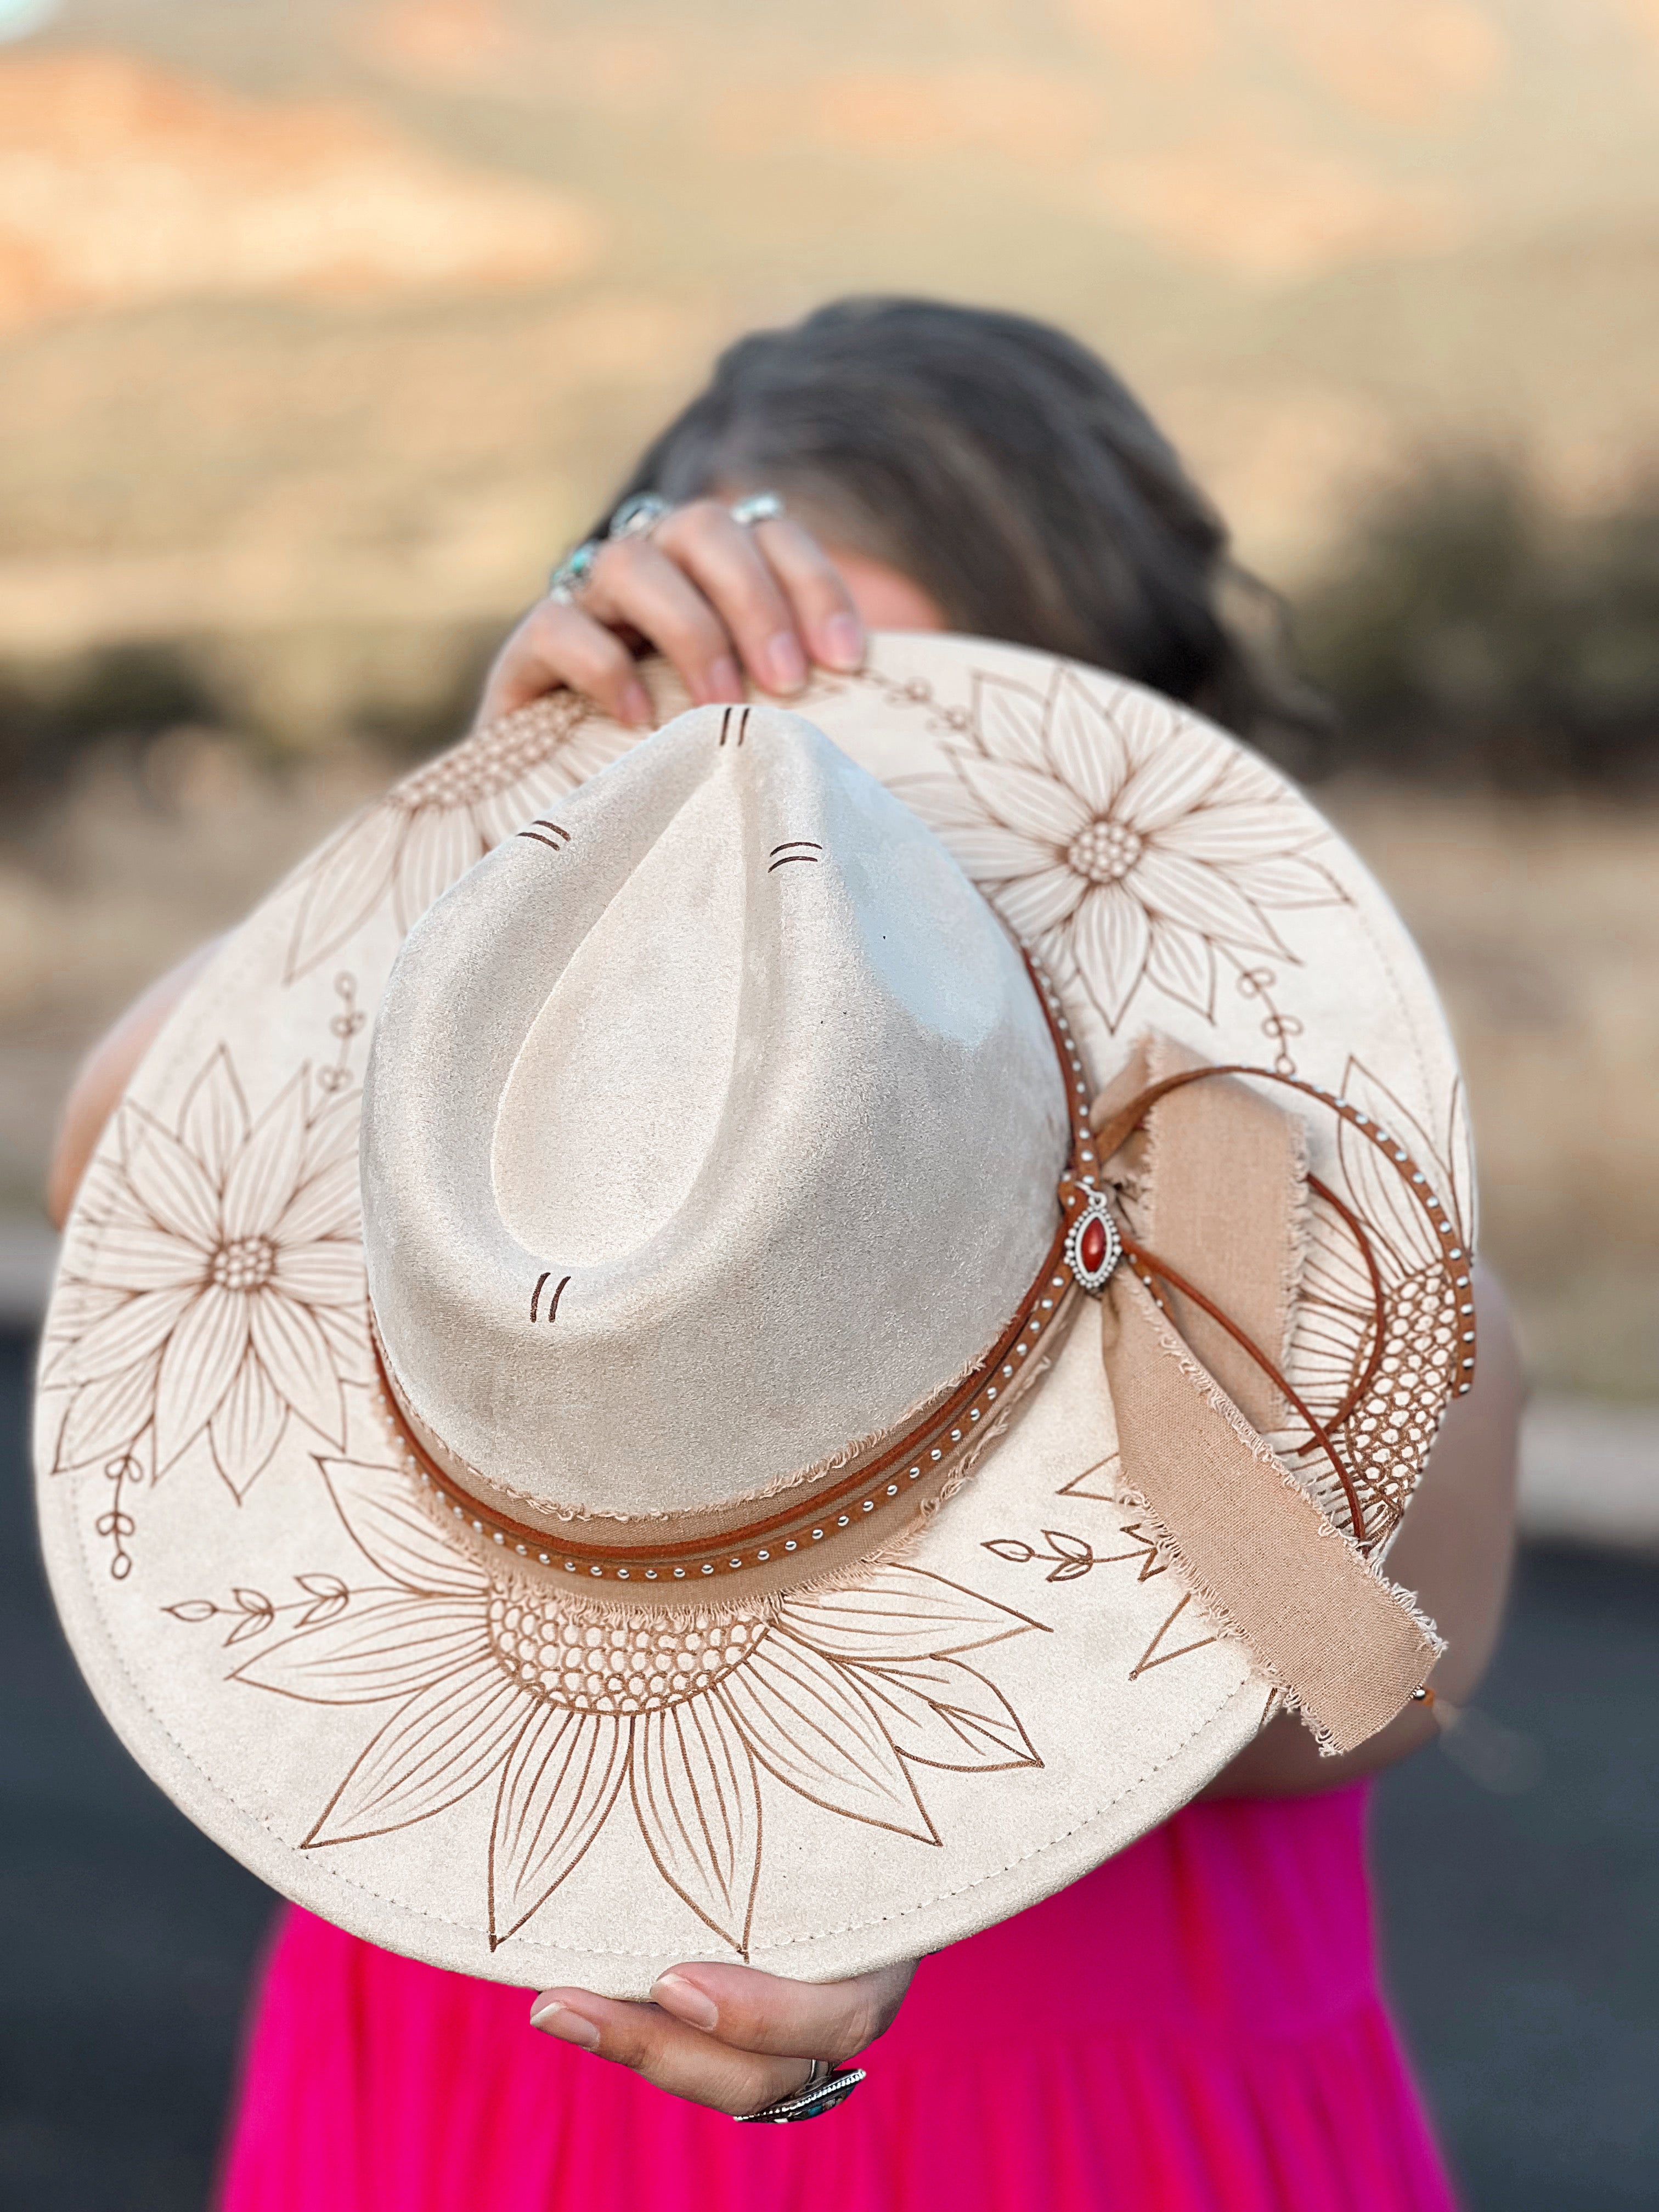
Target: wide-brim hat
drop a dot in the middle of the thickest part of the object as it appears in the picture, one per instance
(853, 1412)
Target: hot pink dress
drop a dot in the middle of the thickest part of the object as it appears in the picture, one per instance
(1194, 2027)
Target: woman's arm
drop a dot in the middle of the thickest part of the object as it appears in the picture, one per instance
(1455, 1551)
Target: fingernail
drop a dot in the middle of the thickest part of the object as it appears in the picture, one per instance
(843, 641)
(685, 2001)
(636, 707)
(569, 2026)
(784, 662)
(722, 682)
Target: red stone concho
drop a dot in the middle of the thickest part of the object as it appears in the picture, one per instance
(1093, 1244)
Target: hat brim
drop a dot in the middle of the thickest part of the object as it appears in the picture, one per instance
(326, 1680)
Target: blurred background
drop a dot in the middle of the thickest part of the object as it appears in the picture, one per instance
(325, 325)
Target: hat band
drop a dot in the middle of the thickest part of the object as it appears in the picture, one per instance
(865, 1503)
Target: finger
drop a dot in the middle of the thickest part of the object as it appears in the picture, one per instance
(753, 2011)
(636, 584)
(663, 2051)
(723, 559)
(823, 608)
(554, 645)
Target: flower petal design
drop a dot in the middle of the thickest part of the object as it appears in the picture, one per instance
(1286, 879)
(942, 802)
(899, 1612)
(138, 1327)
(444, 1743)
(1226, 833)
(77, 1307)
(167, 1179)
(558, 1786)
(940, 1713)
(329, 1273)
(1010, 719)
(1142, 717)
(344, 885)
(344, 1329)
(247, 1426)
(1376, 1190)
(137, 1256)
(589, 743)
(1111, 935)
(297, 1359)
(1203, 899)
(1038, 902)
(326, 1204)
(105, 1417)
(1182, 962)
(332, 1132)
(499, 813)
(1085, 745)
(1175, 776)
(213, 1124)
(441, 845)
(1025, 800)
(993, 855)
(264, 1174)
(375, 1652)
(808, 1723)
(106, 1197)
(697, 1800)
(201, 1358)
(386, 1521)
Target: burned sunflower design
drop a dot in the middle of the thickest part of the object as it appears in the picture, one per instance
(573, 1715)
(410, 847)
(221, 1288)
(1124, 852)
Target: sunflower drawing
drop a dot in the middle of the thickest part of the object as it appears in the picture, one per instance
(426, 833)
(1427, 1313)
(566, 1711)
(226, 1283)
(1120, 852)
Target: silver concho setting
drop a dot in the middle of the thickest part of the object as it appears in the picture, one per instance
(1093, 1246)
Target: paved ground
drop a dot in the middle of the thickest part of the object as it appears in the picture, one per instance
(1520, 1887)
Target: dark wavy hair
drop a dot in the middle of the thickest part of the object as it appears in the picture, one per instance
(1007, 470)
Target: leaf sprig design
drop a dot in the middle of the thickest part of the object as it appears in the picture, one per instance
(251, 1612)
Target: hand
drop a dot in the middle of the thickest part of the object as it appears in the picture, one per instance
(727, 2035)
(709, 594)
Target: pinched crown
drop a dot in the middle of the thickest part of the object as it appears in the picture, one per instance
(711, 1129)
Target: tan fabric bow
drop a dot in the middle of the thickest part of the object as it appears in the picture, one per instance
(1221, 1175)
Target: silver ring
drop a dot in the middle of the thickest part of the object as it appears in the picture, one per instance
(759, 506)
(574, 573)
(639, 516)
(825, 2087)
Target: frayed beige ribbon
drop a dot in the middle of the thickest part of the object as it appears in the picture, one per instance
(1222, 1173)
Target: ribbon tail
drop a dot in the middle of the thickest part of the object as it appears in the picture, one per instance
(1347, 1647)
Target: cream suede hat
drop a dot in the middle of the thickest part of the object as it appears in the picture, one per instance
(767, 1343)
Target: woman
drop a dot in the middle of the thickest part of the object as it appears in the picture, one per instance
(1197, 2023)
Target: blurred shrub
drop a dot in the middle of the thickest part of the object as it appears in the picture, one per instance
(1470, 634)
(51, 713)
(403, 690)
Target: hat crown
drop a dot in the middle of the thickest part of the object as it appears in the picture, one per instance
(711, 1126)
